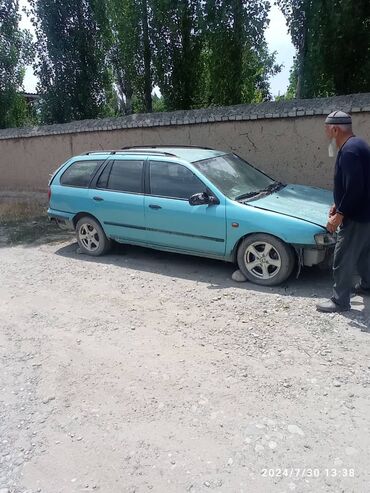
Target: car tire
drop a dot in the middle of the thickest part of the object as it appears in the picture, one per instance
(265, 260)
(91, 237)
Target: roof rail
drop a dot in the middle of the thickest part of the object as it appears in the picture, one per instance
(168, 146)
(128, 151)
(107, 151)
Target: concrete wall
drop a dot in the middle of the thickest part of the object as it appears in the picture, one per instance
(285, 139)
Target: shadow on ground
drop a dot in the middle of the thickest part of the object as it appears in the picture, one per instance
(359, 316)
(206, 273)
(215, 275)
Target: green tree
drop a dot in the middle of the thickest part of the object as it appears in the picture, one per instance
(211, 52)
(15, 55)
(75, 82)
(296, 13)
(131, 53)
(343, 43)
(293, 79)
(177, 46)
(238, 64)
(332, 38)
(158, 103)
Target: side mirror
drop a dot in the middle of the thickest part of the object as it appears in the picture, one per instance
(199, 199)
(203, 199)
(213, 200)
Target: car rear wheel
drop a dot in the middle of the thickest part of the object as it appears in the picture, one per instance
(91, 237)
(265, 260)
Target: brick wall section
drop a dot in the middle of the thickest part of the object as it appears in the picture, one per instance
(264, 111)
(285, 139)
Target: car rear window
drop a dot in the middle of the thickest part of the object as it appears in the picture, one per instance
(125, 176)
(80, 173)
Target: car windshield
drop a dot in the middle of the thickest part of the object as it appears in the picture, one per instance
(235, 177)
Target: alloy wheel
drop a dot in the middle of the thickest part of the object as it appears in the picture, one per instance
(262, 260)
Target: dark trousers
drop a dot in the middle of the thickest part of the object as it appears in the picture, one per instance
(351, 256)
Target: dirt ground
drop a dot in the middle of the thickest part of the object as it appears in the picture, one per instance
(144, 371)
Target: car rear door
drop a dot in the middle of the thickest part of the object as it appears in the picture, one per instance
(171, 221)
(118, 198)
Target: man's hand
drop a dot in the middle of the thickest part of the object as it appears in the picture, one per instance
(333, 210)
(334, 222)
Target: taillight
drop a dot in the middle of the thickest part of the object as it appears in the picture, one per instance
(49, 193)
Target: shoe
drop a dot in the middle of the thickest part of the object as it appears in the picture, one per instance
(358, 289)
(330, 307)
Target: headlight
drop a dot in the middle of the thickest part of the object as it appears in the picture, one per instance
(325, 239)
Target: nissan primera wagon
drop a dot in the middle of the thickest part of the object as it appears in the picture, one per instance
(194, 201)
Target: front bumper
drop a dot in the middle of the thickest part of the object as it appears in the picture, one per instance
(321, 254)
(313, 256)
(317, 256)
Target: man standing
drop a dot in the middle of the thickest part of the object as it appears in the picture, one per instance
(350, 212)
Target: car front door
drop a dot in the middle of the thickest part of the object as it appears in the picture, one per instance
(118, 198)
(171, 221)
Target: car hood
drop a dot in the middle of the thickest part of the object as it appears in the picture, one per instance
(308, 203)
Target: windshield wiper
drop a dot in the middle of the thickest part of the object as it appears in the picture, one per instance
(274, 187)
(247, 195)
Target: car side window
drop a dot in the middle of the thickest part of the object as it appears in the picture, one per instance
(174, 181)
(80, 173)
(126, 176)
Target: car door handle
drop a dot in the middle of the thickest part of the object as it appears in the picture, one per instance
(156, 207)
(98, 199)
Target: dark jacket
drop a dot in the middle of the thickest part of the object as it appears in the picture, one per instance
(352, 180)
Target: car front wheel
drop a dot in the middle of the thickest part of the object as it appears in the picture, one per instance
(91, 237)
(265, 260)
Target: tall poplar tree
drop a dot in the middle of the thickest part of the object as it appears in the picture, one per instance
(332, 38)
(131, 52)
(15, 55)
(75, 81)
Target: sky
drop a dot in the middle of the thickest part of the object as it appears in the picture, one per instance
(277, 38)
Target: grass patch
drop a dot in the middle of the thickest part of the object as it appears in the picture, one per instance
(38, 230)
(24, 220)
(13, 211)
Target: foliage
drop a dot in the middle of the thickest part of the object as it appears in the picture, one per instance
(75, 82)
(158, 103)
(107, 57)
(15, 54)
(177, 45)
(332, 39)
(211, 52)
(238, 63)
(130, 53)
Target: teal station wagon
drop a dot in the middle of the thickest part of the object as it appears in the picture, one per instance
(195, 201)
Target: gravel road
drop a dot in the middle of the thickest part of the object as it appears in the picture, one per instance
(149, 372)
